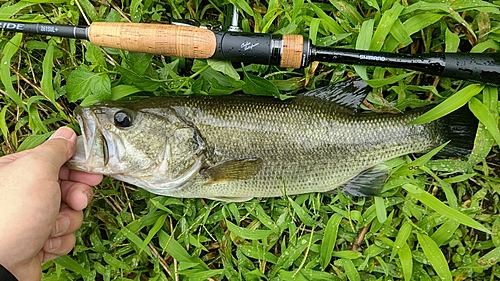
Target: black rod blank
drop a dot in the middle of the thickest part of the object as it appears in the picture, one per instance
(66, 31)
(477, 67)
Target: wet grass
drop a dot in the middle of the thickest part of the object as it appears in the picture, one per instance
(438, 218)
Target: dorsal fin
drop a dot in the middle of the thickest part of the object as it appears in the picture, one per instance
(348, 93)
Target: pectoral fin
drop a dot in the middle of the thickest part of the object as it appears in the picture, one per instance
(236, 169)
(368, 183)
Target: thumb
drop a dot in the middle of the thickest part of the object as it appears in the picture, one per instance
(58, 148)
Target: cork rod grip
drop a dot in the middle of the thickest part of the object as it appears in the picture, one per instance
(293, 47)
(160, 39)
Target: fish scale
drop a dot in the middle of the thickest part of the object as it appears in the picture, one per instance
(251, 146)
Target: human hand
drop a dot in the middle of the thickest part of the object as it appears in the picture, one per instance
(41, 203)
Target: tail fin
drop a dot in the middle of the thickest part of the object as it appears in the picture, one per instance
(460, 129)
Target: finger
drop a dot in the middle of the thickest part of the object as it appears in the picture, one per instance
(88, 178)
(77, 195)
(79, 176)
(45, 257)
(67, 221)
(57, 150)
(58, 246)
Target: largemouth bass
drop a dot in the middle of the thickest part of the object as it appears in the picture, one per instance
(234, 148)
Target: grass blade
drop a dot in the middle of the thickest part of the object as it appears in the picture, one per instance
(363, 43)
(245, 233)
(421, 161)
(89, 9)
(373, 4)
(9, 51)
(306, 275)
(302, 214)
(439, 207)
(156, 227)
(349, 268)
(490, 258)
(313, 30)
(297, 6)
(71, 264)
(420, 21)
(293, 252)
(435, 256)
(33, 141)
(406, 259)
(451, 104)
(445, 232)
(412, 25)
(331, 24)
(484, 46)
(195, 274)
(375, 83)
(258, 252)
(403, 234)
(329, 239)
(350, 255)
(116, 263)
(482, 146)
(365, 35)
(175, 249)
(399, 33)
(384, 26)
(484, 115)
(46, 82)
(243, 6)
(451, 41)
(3, 124)
(380, 208)
(127, 233)
(451, 198)
(7, 11)
(490, 99)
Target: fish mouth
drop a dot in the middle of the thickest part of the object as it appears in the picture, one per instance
(91, 153)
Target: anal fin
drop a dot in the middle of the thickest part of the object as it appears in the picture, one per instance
(368, 183)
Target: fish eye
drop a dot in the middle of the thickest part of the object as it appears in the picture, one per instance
(123, 119)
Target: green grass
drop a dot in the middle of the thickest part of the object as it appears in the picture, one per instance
(438, 219)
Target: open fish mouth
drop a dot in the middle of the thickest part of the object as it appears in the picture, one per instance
(91, 148)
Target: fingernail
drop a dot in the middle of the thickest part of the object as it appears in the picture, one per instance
(63, 133)
(54, 243)
(89, 198)
(62, 225)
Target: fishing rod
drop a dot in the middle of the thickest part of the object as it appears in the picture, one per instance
(287, 50)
